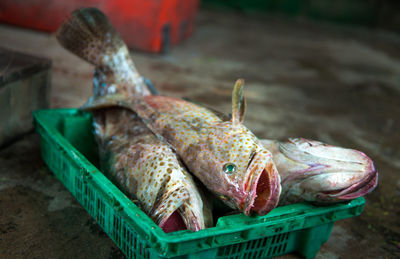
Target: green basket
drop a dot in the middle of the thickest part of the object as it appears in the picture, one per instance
(67, 146)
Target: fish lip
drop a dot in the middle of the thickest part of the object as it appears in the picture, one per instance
(365, 188)
(189, 220)
(274, 187)
(358, 189)
(192, 221)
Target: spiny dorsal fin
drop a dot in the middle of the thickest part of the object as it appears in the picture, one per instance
(238, 102)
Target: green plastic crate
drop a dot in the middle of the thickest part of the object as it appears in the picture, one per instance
(68, 146)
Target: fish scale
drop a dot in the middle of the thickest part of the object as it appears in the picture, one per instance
(137, 161)
(224, 155)
(145, 167)
(189, 128)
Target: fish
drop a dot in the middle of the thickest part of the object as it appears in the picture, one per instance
(319, 173)
(224, 155)
(142, 165)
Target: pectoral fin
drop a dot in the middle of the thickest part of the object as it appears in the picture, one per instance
(110, 100)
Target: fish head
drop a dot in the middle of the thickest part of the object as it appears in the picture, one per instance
(164, 188)
(329, 173)
(239, 169)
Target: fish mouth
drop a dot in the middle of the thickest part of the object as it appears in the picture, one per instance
(182, 219)
(356, 190)
(173, 223)
(263, 185)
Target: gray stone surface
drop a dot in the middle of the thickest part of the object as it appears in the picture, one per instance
(335, 84)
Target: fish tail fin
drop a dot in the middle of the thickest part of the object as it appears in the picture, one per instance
(89, 35)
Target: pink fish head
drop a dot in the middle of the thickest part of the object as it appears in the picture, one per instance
(233, 163)
(317, 172)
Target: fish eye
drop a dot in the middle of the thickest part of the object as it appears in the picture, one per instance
(229, 168)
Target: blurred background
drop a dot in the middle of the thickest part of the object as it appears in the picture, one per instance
(319, 69)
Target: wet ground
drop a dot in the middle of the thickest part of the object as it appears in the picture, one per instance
(339, 85)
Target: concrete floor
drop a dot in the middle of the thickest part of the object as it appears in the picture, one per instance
(334, 84)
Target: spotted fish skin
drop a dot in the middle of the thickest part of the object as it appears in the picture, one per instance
(146, 168)
(140, 163)
(320, 173)
(206, 143)
(89, 35)
(203, 142)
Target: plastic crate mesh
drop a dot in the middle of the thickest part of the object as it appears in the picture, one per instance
(276, 245)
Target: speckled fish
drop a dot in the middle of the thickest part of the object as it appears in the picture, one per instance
(142, 165)
(224, 155)
(316, 172)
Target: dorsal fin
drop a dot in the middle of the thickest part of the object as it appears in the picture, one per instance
(238, 102)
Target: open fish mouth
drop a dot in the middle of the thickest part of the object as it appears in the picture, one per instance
(173, 223)
(263, 185)
(181, 219)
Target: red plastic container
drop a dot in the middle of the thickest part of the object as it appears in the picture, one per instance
(149, 25)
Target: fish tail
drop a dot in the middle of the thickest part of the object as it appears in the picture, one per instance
(89, 35)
